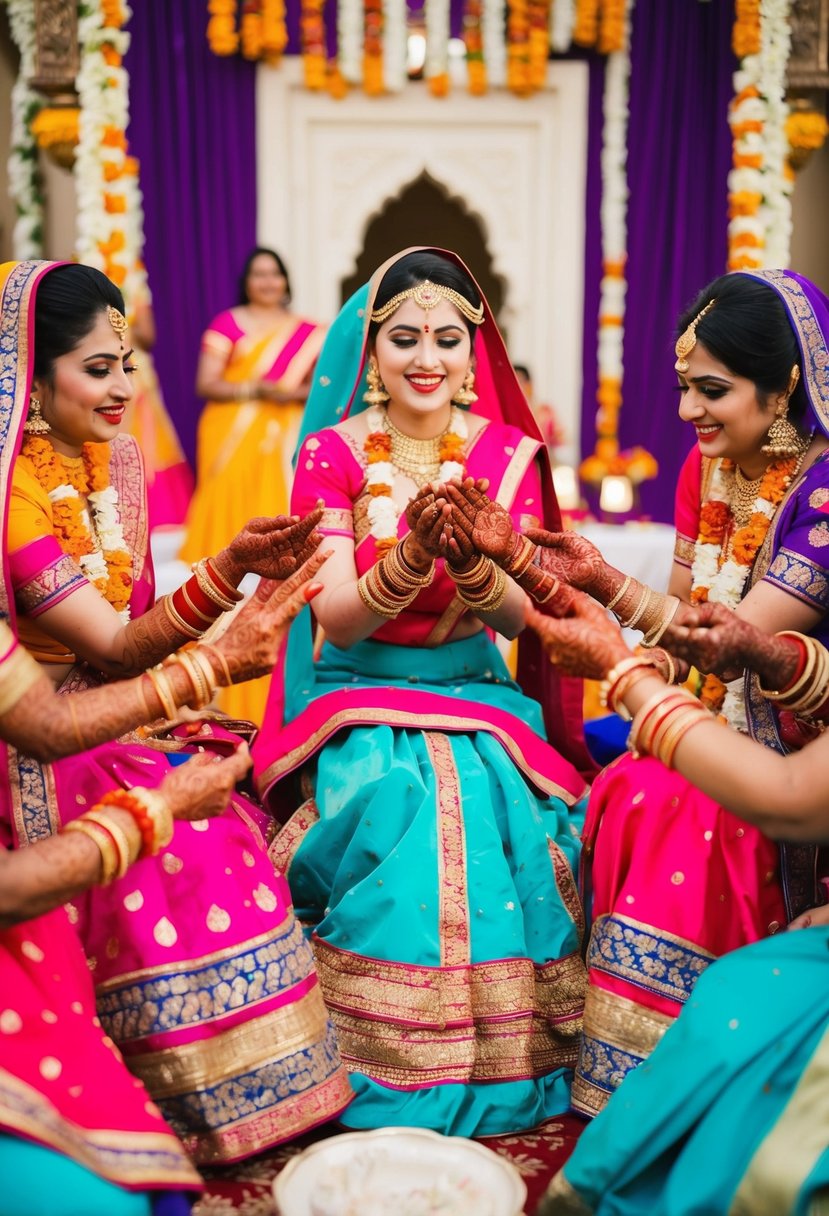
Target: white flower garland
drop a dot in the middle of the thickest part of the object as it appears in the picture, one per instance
(395, 48)
(25, 186)
(350, 40)
(383, 512)
(106, 533)
(613, 287)
(494, 38)
(775, 48)
(561, 25)
(101, 168)
(436, 62)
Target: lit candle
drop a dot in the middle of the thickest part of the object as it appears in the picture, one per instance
(567, 487)
(616, 494)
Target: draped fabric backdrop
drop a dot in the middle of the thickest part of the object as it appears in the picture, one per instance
(679, 156)
(193, 128)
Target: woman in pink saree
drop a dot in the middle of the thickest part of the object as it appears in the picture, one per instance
(202, 976)
(433, 854)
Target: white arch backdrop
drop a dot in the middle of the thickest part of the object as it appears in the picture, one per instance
(324, 168)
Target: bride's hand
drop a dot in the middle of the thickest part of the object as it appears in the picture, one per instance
(569, 557)
(201, 788)
(425, 515)
(485, 524)
(272, 548)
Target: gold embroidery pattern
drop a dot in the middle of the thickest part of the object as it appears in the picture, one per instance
(618, 1035)
(417, 721)
(566, 886)
(337, 520)
(166, 998)
(454, 902)
(819, 535)
(127, 1157)
(126, 471)
(800, 577)
(287, 841)
(49, 586)
(486, 1021)
(34, 801)
(818, 497)
(647, 957)
(684, 550)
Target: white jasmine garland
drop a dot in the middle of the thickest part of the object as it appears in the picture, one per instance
(25, 187)
(494, 39)
(563, 19)
(395, 34)
(350, 40)
(436, 62)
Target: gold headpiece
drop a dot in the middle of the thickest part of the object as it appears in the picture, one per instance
(117, 320)
(428, 295)
(686, 342)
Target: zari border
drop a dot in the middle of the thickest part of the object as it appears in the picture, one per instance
(124, 1156)
(648, 958)
(566, 886)
(491, 1021)
(414, 720)
(783, 1161)
(561, 1199)
(618, 1036)
(804, 580)
(288, 839)
(684, 548)
(453, 922)
(33, 798)
(127, 475)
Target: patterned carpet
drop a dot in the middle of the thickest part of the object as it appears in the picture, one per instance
(245, 1189)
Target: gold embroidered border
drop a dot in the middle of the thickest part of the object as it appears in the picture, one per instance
(288, 839)
(502, 1050)
(289, 1118)
(335, 519)
(124, 1156)
(433, 997)
(244, 1047)
(446, 622)
(684, 550)
(649, 958)
(622, 1023)
(453, 920)
(561, 1199)
(33, 798)
(127, 474)
(394, 717)
(60, 577)
(566, 886)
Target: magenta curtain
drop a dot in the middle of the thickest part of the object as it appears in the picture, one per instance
(679, 155)
(193, 128)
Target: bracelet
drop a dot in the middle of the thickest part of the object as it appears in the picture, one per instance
(490, 597)
(691, 717)
(654, 634)
(178, 622)
(219, 581)
(127, 854)
(665, 696)
(808, 691)
(163, 690)
(639, 610)
(207, 651)
(521, 557)
(79, 739)
(151, 813)
(202, 686)
(104, 842)
(215, 592)
(608, 690)
(620, 594)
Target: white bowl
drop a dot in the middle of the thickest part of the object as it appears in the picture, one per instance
(401, 1170)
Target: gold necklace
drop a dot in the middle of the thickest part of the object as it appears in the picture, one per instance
(744, 496)
(418, 459)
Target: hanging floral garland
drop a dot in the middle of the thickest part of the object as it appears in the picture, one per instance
(494, 37)
(473, 39)
(395, 45)
(373, 47)
(586, 23)
(562, 23)
(314, 51)
(25, 186)
(635, 463)
(760, 182)
(436, 63)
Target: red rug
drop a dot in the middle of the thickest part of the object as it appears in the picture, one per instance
(245, 1189)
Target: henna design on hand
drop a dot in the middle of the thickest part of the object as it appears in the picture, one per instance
(486, 525)
(425, 515)
(201, 788)
(272, 548)
(715, 639)
(576, 560)
(580, 640)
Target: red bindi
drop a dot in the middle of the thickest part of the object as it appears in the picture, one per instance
(426, 329)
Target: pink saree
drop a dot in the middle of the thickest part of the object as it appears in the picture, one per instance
(202, 976)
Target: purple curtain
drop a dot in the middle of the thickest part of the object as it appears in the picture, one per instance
(193, 128)
(679, 155)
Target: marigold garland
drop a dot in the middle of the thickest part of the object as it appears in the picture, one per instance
(221, 27)
(474, 42)
(314, 49)
(373, 47)
(98, 546)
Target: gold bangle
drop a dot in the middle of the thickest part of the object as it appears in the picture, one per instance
(691, 717)
(222, 599)
(607, 688)
(149, 716)
(620, 594)
(642, 715)
(654, 634)
(163, 690)
(521, 559)
(103, 841)
(468, 578)
(211, 650)
(202, 692)
(127, 853)
(203, 664)
(639, 611)
(210, 568)
(79, 739)
(493, 597)
(178, 622)
(380, 609)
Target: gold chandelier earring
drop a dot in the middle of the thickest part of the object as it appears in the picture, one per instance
(376, 393)
(784, 439)
(35, 423)
(465, 394)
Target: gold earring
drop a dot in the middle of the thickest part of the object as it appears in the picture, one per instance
(35, 423)
(784, 439)
(465, 394)
(376, 394)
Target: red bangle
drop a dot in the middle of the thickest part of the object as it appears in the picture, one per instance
(125, 801)
(220, 583)
(802, 658)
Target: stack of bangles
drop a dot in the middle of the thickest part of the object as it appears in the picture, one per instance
(663, 722)
(482, 587)
(649, 611)
(807, 693)
(391, 584)
(200, 601)
(152, 816)
(523, 568)
(201, 673)
(621, 678)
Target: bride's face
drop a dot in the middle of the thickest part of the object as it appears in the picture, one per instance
(422, 356)
(85, 400)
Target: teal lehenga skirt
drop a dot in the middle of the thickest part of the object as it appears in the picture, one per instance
(434, 865)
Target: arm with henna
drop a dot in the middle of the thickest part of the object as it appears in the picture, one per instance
(50, 872)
